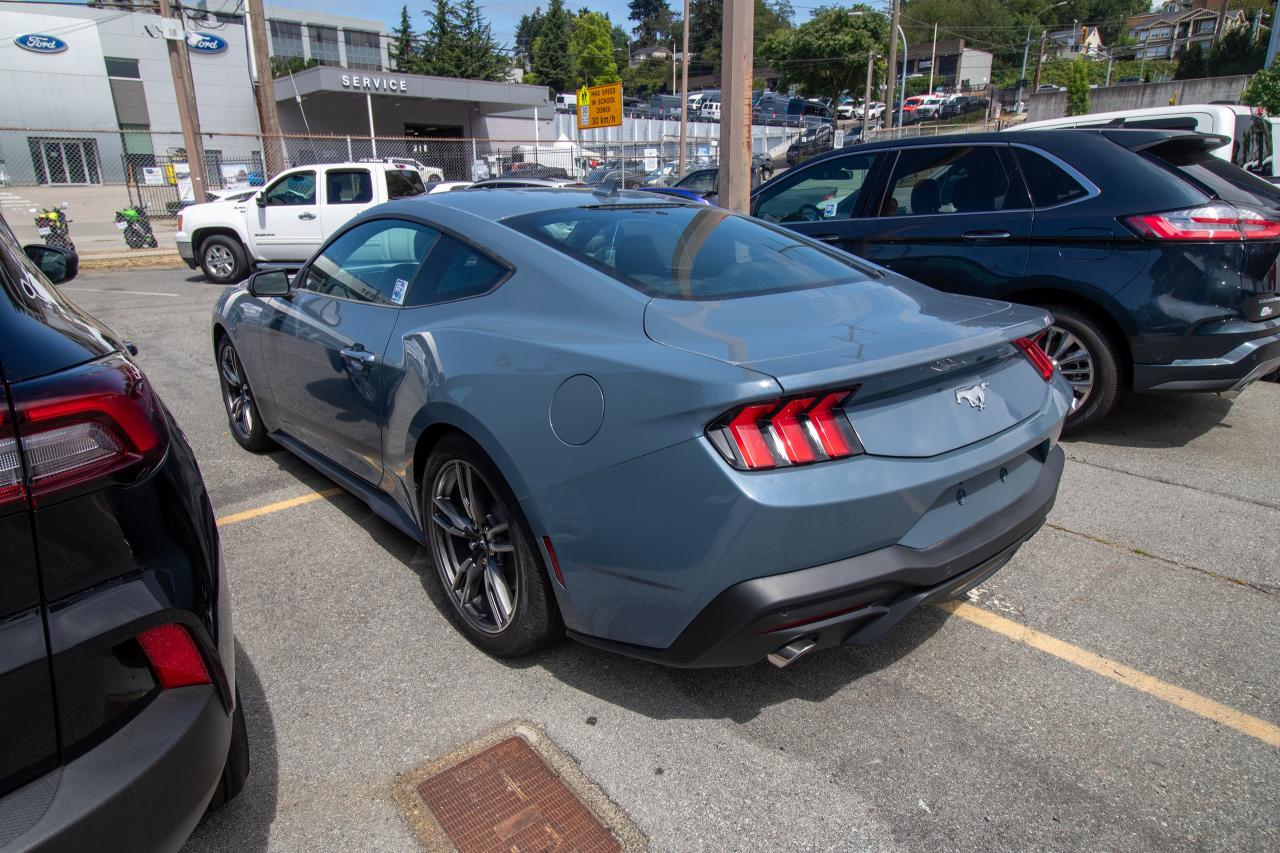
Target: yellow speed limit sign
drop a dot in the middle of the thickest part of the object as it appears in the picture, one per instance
(600, 106)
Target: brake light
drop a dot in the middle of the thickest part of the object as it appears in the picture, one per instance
(785, 432)
(76, 429)
(1211, 222)
(174, 657)
(179, 221)
(1039, 359)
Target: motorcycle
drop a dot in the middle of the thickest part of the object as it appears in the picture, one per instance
(136, 225)
(53, 225)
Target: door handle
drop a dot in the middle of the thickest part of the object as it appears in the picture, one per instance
(358, 357)
(986, 236)
(827, 238)
(306, 216)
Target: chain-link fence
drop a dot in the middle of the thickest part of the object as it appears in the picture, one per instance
(98, 174)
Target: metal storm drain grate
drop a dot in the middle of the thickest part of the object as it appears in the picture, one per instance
(500, 795)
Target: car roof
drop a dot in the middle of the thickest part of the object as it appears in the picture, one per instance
(1137, 114)
(499, 203)
(1029, 137)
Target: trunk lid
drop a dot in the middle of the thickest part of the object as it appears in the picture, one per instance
(916, 354)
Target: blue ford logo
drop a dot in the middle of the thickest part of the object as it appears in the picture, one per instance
(37, 43)
(206, 42)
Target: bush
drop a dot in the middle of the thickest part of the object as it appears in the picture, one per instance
(1078, 88)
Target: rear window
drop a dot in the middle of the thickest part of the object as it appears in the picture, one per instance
(1049, 183)
(1216, 176)
(404, 182)
(1252, 149)
(690, 252)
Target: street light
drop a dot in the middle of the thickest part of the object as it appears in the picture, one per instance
(858, 14)
(1027, 48)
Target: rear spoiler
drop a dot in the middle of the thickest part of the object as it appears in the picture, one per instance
(1146, 140)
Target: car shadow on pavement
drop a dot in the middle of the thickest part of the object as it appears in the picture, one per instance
(245, 823)
(1156, 421)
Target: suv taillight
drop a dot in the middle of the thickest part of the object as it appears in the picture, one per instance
(788, 431)
(78, 429)
(1210, 222)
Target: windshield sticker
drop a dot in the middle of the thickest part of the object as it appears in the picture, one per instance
(397, 295)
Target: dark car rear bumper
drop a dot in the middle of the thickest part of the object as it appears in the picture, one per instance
(1228, 374)
(853, 601)
(143, 788)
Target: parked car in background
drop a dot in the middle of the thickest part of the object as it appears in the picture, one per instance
(483, 337)
(1250, 138)
(809, 142)
(710, 109)
(664, 107)
(566, 102)
(121, 722)
(287, 220)
(534, 170)
(448, 186)
(1156, 258)
(518, 182)
(844, 110)
(875, 110)
(430, 174)
(625, 177)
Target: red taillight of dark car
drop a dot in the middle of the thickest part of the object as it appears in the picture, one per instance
(174, 657)
(789, 431)
(80, 429)
(1213, 222)
(1039, 359)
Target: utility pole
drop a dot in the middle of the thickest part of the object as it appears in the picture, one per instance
(1044, 34)
(866, 100)
(684, 86)
(673, 66)
(893, 62)
(184, 88)
(1022, 78)
(933, 57)
(735, 102)
(264, 89)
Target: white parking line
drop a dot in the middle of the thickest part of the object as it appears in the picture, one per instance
(110, 290)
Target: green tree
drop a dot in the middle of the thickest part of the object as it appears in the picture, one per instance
(706, 25)
(621, 47)
(1191, 63)
(281, 67)
(402, 52)
(1078, 88)
(648, 78)
(439, 54)
(527, 31)
(1264, 90)
(653, 21)
(827, 53)
(552, 64)
(591, 49)
(1235, 53)
(478, 56)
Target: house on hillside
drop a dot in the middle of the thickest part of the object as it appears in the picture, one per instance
(1071, 43)
(1165, 33)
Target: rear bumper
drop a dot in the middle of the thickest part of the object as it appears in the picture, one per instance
(853, 601)
(143, 788)
(1228, 374)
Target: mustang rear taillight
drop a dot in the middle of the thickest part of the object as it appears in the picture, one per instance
(1215, 222)
(1039, 359)
(789, 431)
(174, 657)
(77, 429)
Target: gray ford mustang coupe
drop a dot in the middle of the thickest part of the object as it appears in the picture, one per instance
(663, 428)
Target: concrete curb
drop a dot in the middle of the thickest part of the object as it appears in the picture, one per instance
(131, 260)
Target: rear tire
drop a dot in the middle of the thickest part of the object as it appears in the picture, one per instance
(533, 618)
(223, 259)
(1074, 331)
(236, 770)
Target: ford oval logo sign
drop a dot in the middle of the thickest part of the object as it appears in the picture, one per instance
(206, 43)
(37, 43)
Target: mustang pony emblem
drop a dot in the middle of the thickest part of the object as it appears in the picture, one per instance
(975, 396)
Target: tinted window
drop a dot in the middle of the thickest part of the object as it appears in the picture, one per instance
(455, 271)
(831, 189)
(698, 182)
(1049, 183)
(1218, 177)
(373, 262)
(687, 251)
(931, 181)
(117, 67)
(404, 182)
(353, 186)
(1252, 150)
(298, 188)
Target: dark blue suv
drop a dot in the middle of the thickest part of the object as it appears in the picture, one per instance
(1157, 259)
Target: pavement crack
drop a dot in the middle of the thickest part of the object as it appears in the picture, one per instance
(1264, 504)
(1256, 587)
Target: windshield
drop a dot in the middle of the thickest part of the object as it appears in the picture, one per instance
(687, 251)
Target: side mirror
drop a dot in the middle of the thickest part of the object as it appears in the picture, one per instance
(261, 199)
(59, 265)
(269, 283)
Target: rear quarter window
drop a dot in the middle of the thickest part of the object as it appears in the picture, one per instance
(1048, 182)
(402, 183)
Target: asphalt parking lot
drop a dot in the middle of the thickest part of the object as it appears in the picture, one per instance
(1115, 687)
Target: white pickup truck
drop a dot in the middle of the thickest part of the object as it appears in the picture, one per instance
(288, 219)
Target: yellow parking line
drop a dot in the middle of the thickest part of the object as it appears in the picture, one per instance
(247, 514)
(1118, 672)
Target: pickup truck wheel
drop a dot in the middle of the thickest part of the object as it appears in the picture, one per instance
(223, 259)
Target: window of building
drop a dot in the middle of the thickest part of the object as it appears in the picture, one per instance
(363, 50)
(286, 39)
(324, 45)
(1206, 26)
(127, 68)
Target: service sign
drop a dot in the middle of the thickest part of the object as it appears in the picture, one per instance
(600, 106)
(206, 43)
(39, 43)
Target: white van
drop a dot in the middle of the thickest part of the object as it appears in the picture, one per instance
(566, 102)
(1253, 138)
